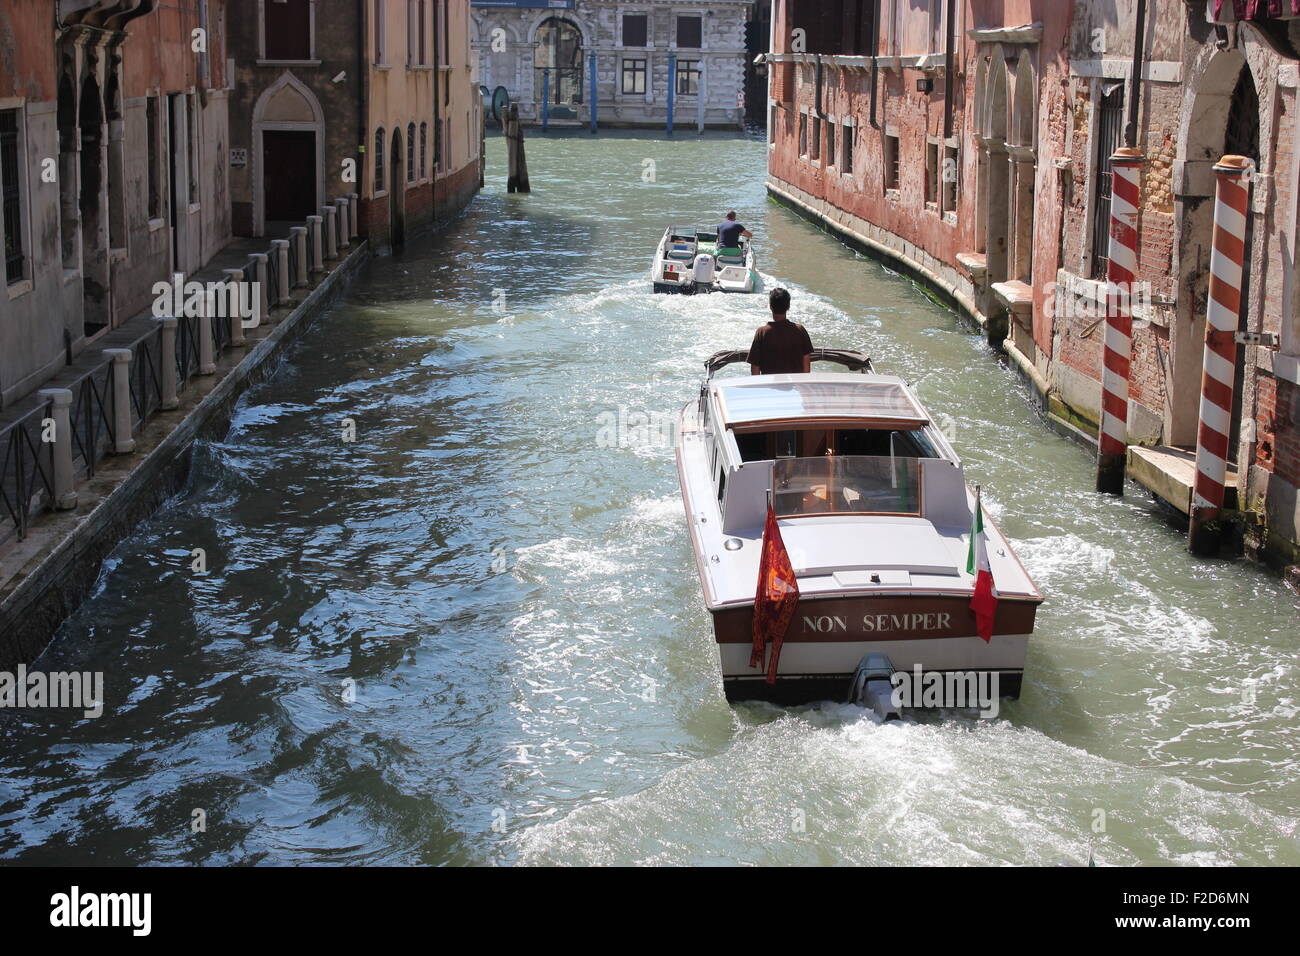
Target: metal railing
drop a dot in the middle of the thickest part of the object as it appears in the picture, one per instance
(26, 467)
(146, 376)
(92, 415)
(27, 462)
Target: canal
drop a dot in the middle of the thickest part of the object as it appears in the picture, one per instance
(475, 633)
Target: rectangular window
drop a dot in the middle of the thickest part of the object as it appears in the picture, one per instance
(688, 77)
(634, 76)
(847, 139)
(771, 124)
(377, 23)
(379, 160)
(11, 195)
(891, 162)
(424, 29)
(932, 175)
(1110, 124)
(412, 39)
(192, 145)
(815, 141)
(690, 33)
(949, 175)
(830, 144)
(286, 29)
(151, 134)
(635, 29)
(803, 134)
(424, 148)
(410, 152)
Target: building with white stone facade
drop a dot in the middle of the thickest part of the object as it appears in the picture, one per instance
(532, 47)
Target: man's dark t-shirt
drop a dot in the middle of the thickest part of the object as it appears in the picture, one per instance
(729, 234)
(779, 347)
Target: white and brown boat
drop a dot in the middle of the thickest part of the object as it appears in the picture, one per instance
(876, 516)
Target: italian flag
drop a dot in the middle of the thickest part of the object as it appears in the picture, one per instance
(984, 602)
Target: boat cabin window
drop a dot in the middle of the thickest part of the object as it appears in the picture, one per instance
(815, 442)
(846, 484)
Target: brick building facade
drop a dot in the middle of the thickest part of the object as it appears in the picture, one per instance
(335, 96)
(113, 137)
(534, 48)
(968, 142)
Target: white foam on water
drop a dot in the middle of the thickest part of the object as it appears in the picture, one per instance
(816, 788)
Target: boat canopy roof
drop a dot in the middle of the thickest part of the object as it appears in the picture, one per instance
(763, 401)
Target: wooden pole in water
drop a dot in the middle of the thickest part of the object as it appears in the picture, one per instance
(517, 176)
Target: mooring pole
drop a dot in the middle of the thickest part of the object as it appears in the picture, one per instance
(517, 175)
(546, 98)
(699, 98)
(672, 87)
(591, 69)
(1112, 436)
(1227, 256)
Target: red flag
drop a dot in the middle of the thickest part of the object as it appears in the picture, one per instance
(775, 599)
(984, 599)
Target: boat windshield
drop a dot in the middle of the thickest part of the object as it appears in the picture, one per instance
(846, 484)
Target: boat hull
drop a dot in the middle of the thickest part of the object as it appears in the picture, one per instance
(828, 636)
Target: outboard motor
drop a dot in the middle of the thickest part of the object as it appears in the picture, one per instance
(702, 270)
(871, 687)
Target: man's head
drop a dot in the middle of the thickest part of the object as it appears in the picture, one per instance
(779, 302)
(732, 215)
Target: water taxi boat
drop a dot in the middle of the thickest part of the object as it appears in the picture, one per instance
(875, 514)
(688, 260)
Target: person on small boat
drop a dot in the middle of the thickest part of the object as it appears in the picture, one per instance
(780, 346)
(729, 233)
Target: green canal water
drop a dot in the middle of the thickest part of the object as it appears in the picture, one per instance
(513, 605)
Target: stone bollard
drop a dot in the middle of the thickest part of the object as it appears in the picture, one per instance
(280, 249)
(261, 287)
(65, 493)
(123, 443)
(342, 206)
(317, 253)
(331, 231)
(207, 364)
(353, 222)
(298, 237)
(234, 292)
(167, 358)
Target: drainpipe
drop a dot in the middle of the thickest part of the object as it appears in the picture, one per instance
(948, 70)
(817, 96)
(363, 76)
(439, 145)
(875, 51)
(1139, 38)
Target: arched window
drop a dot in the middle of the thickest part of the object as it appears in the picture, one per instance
(558, 48)
(379, 160)
(424, 148)
(410, 152)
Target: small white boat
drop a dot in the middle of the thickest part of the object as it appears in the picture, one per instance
(876, 517)
(688, 260)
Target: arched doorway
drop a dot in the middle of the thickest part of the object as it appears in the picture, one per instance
(997, 194)
(288, 128)
(1225, 119)
(69, 219)
(1024, 172)
(557, 46)
(96, 306)
(396, 193)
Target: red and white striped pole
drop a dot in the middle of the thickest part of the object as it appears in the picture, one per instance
(1227, 256)
(1112, 438)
